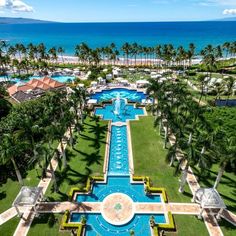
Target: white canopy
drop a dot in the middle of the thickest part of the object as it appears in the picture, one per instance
(94, 83)
(92, 101)
(81, 85)
(142, 82)
(124, 81)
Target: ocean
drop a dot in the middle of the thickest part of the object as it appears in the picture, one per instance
(68, 35)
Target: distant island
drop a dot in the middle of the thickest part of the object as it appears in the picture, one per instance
(19, 20)
(228, 19)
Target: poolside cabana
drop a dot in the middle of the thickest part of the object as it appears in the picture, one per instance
(101, 81)
(124, 82)
(81, 85)
(92, 101)
(209, 198)
(28, 197)
(94, 84)
(141, 83)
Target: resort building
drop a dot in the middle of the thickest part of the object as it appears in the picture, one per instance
(34, 88)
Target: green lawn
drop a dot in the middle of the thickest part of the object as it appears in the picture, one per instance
(189, 226)
(47, 225)
(84, 160)
(8, 228)
(149, 159)
(227, 228)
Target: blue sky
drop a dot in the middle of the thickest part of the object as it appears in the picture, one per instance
(118, 10)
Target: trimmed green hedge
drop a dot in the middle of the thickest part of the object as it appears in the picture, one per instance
(66, 225)
(149, 188)
(169, 226)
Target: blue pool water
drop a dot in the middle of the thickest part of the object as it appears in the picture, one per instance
(118, 184)
(96, 225)
(60, 78)
(118, 158)
(127, 112)
(130, 95)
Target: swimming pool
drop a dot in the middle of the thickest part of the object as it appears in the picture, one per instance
(130, 95)
(60, 78)
(118, 184)
(96, 225)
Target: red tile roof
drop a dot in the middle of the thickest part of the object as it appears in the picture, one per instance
(43, 83)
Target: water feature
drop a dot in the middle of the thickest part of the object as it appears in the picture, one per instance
(111, 94)
(117, 105)
(118, 195)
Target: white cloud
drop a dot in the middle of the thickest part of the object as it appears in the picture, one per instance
(229, 12)
(16, 6)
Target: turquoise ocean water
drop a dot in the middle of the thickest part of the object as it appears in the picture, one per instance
(68, 35)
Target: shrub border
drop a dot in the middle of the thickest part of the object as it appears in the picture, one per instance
(65, 224)
(150, 189)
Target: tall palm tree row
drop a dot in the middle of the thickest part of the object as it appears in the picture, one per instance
(160, 55)
(195, 141)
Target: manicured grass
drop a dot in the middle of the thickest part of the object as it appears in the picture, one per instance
(8, 228)
(149, 159)
(85, 159)
(227, 228)
(188, 225)
(48, 225)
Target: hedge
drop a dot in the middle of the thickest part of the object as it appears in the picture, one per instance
(66, 225)
(87, 188)
(169, 226)
(149, 188)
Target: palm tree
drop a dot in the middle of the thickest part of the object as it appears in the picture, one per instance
(229, 81)
(126, 50)
(11, 147)
(53, 53)
(226, 150)
(61, 50)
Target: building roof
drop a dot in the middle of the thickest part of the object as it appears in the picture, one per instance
(52, 83)
(18, 87)
(21, 96)
(43, 84)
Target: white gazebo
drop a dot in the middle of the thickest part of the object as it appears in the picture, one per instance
(28, 197)
(209, 198)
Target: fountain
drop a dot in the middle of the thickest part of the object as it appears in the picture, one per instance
(117, 105)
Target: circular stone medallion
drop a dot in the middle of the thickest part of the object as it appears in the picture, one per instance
(117, 209)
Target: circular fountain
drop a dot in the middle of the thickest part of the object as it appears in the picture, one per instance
(118, 209)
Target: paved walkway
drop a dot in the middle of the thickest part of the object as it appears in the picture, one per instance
(7, 215)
